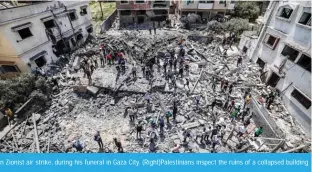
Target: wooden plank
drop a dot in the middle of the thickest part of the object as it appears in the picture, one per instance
(201, 72)
(36, 139)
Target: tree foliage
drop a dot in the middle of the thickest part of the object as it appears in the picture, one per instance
(236, 25)
(16, 91)
(247, 10)
(215, 26)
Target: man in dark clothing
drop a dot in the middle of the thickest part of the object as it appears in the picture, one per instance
(174, 111)
(214, 132)
(55, 83)
(170, 63)
(226, 84)
(214, 102)
(139, 129)
(187, 83)
(161, 125)
(226, 104)
(230, 89)
(150, 30)
(239, 61)
(247, 121)
(134, 71)
(165, 66)
(143, 70)
(98, 139)
(154, 30)
(187, 68)
(175, 61)
(186, 134)
(181, 71)
(118, 145)
(245, 113)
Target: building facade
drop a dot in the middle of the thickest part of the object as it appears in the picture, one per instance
(284, 51)
(206, 9)
(36, 34)
(130, 12)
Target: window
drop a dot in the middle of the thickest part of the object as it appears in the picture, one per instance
(90, 30)
(124, 2)
(25, 33)
(125, 12)
(189, 2)
(49, 24)
(72, 16)
(290, 52)
(286, 13)
(40, 62)
(83, 11)
(303, 100)
(271, 41)
(73, 42)
(139, 2)
(305, 62)
(305, 19)
(206, 2)
(221, 2)
(8, 68)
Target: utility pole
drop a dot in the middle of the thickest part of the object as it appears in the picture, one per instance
(101, 9)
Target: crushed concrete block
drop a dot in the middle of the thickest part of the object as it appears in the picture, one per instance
(191, 125)
(80, 88)
(93, 90)
(180, 119)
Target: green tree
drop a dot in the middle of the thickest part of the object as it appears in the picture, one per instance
(247, 10)
(236, 26)
(215, 26)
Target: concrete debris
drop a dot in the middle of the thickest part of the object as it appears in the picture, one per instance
(142, 86)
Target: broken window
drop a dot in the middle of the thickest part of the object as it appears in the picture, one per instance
(49, 24)
(124, 2)
(305, 19)
(90, 30)
(271, 41)
(139, 2)
(221, 2)
(286, 13)
(305, 62)
(125, 12)
(25, 33)
(40, 62)
(302, 99)
(8, 68)
(72, 16)
(261, 63)
(79, 37)
(83, 11)
(290, 53)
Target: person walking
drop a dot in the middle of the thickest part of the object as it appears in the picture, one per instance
(134, 71)
(139, 129)
(118, 145)
(98, 139)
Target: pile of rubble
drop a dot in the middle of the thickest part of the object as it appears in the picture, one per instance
(78, 110)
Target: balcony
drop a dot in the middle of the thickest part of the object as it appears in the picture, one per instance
(205, 5)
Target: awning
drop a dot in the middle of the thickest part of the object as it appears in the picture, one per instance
(35, 57)
(22, 26)
(47, 18)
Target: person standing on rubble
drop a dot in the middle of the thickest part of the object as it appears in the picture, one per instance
(170, 63)
(78, 145)
(154, 30)
(239, 61)
(197, 101)
(181, 71)
(143, 70)
(118, 145)
(134, 71)
(150, 30)
(187, 83)
(231, 88)
(109, 58)
(245, 113)
(123, 65)
(222, 84)
(226, 84)
(214, 83)
(165, 66)
(98, 139)
(234, 114)
(174, 111)
(161, 125)
(168, 115)
(247, 100)
(148, 98)
(131, 114)
(258, 131)
(175, 61)
(212, 105)
(241, 130)
(139, 129)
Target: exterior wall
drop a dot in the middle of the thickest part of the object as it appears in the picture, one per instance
(292, 76)
(215, 6)
(19, 50)
(248, 41)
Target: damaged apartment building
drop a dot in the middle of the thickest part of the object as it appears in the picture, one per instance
(205, 9)
(37, 33)
(143, 11)
(283, 50)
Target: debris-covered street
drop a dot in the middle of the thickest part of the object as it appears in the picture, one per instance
(173, 91)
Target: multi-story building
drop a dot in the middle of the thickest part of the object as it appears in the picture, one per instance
(206, 9)
(36, 34)
(283, 49)
(130, 12)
